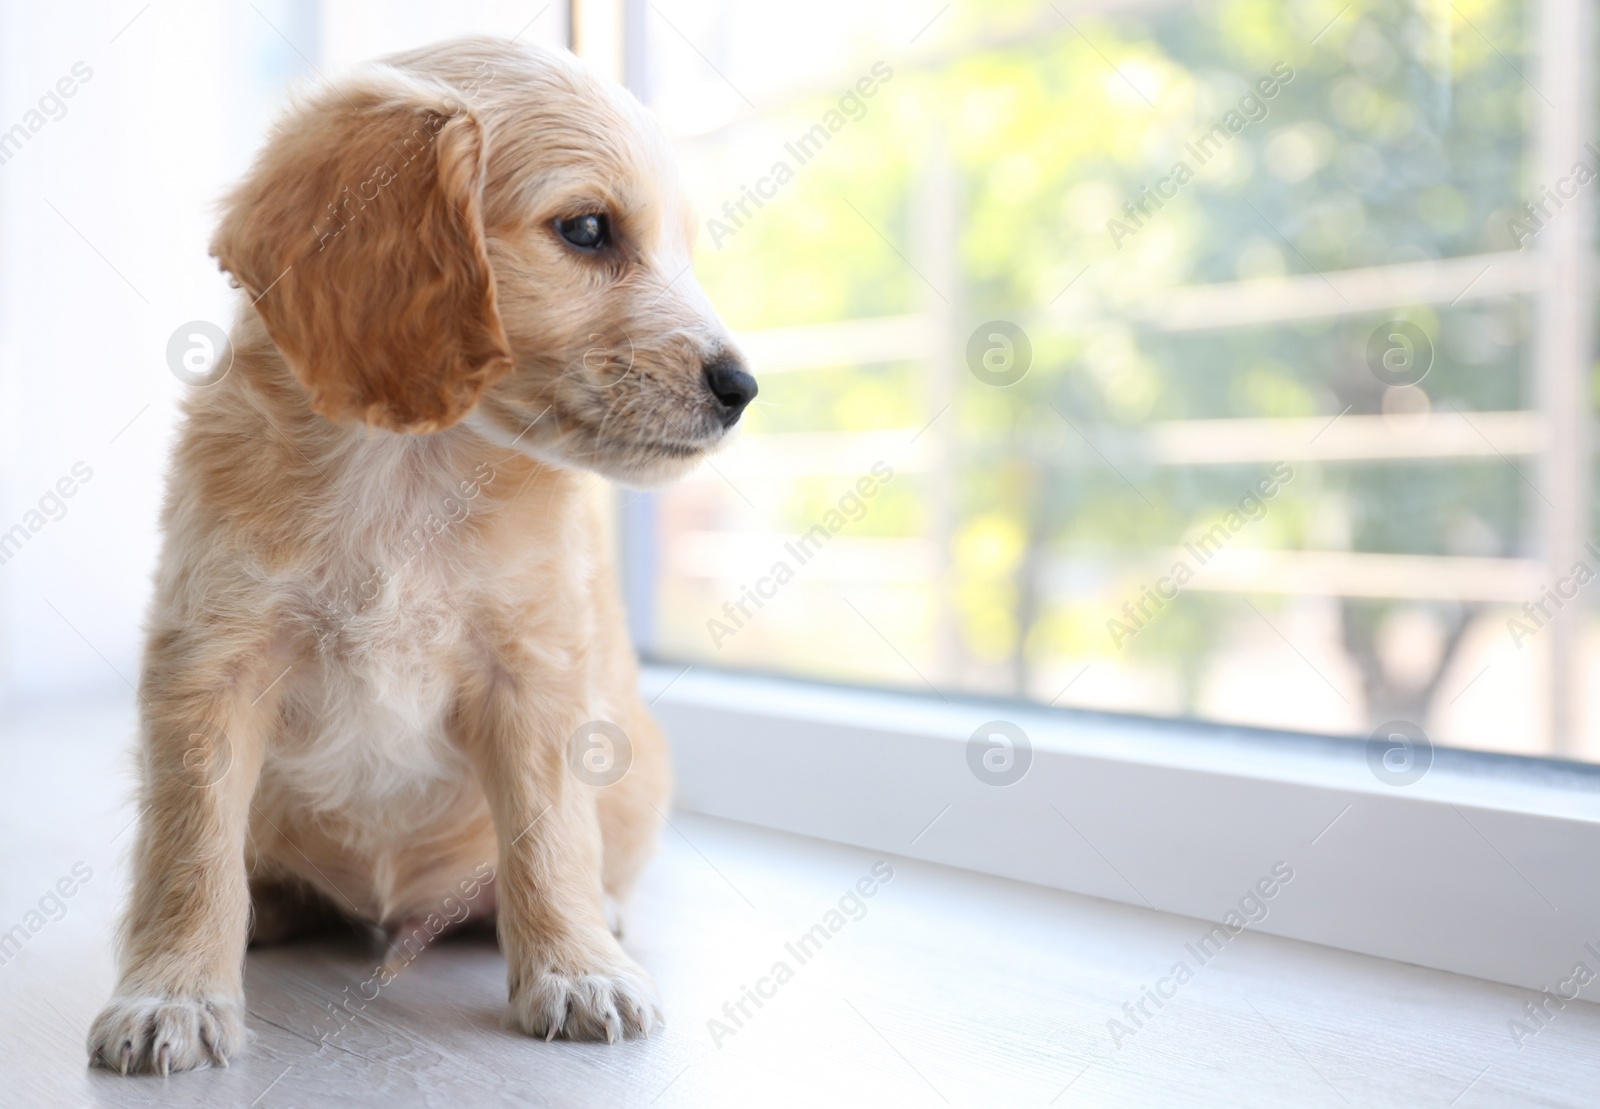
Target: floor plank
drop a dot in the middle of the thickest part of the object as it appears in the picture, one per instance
(944, 988)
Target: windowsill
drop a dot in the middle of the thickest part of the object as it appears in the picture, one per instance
(1469, 869)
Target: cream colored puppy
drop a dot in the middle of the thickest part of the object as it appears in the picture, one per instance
(385, 624)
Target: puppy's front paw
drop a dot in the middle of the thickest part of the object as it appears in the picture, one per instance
(620, 1000)
(158, 1035)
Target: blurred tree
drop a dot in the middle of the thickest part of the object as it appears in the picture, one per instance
(1399, 136)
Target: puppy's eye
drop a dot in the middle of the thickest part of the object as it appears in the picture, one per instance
(587, 232)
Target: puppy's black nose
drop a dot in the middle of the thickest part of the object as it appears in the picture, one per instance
(733, 387)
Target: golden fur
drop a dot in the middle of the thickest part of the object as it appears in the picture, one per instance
(385, 600)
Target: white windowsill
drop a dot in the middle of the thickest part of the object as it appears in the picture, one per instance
(1476, 868)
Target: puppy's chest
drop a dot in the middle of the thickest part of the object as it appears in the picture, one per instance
(405, 598)
(380, 623)
(380, 669)
(398, 566)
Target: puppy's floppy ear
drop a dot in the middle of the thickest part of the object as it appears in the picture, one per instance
(359, 232)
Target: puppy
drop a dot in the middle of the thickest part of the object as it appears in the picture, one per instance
(387, 674)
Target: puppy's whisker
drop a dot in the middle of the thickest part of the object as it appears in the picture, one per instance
(617, 410)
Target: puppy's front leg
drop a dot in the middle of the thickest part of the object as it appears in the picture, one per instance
(568, 975)
(179, 1001)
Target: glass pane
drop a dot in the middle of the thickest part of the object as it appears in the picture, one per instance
(1177, 362)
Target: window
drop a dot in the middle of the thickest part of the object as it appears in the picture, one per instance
(1224, 361)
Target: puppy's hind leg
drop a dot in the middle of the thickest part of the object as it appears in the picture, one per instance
(286, 909)
(631, 809)
(179, 1001)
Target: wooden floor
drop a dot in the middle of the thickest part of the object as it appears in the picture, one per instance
(949, 988)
